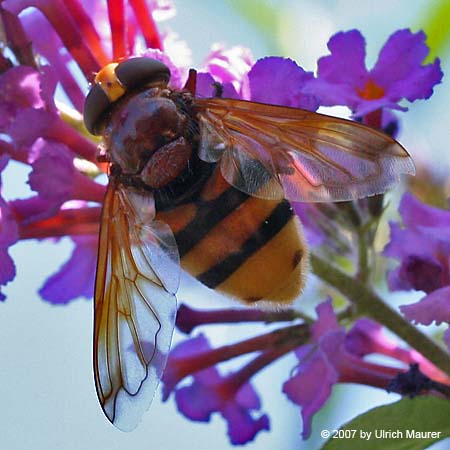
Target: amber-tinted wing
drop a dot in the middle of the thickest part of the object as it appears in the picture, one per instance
(274, 152)
(135, 304)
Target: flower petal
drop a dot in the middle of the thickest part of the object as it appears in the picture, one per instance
(21, 86)
(190, 347)
(242, 426)
(180, 55)
(423, 247)
(4, 160)
(29, 125)
(196, 402)
(47, 43)
(415, 213)
(406, 241)
(341, 73)
(435, 307)
(9, 233)
(326, 320)
(207, 87)
(174, 372)
(230, 66)
(209, 392)
(7, 269)
(399, 67)
(364, 338)
(346, 63)
(76, 277)
(53, 172)
(311, 387)
(280, 81)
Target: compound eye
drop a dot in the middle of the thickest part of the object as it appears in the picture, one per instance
(115, 79)
(95, 105)
(136, 72)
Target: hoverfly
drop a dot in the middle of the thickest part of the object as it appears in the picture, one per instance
(204, 183)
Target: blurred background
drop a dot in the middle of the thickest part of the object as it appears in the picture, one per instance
(47, 394)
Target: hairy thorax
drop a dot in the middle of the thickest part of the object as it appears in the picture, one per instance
(148, 139)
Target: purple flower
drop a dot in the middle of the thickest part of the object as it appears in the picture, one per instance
(367, 337)
(76, 277)
(435, 307)
(33, 209)
(342, 78)
(25, 96)
(423, 248)
(8, 235)
(47, 43)
(230, 67)
(311, 385)
(23, 87)
(286, 79)
(207, 86)
(53, 171)
(280, 81)
(227, 68)
(210, 392)
(330, 356)
(334, 356)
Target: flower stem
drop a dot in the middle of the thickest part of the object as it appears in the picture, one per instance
(71, 33)
(237, 379)
(17, 39)
(363, 263)
(286, 339)
(371, 305)
(147, 24)
(189, 318)
(67, 222)
(116, 14)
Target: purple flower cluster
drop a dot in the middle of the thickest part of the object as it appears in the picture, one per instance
(423, 248)
(327, 354)
(210, 392)
(46, 134)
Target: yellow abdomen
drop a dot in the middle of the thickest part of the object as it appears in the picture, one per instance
(248, 248)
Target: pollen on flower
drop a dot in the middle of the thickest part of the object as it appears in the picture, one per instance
(371, 91)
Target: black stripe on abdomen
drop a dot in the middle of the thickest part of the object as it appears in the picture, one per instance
(209, 213)
(268, 229)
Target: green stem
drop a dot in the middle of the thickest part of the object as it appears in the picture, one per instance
(363, 263)
(371, 305)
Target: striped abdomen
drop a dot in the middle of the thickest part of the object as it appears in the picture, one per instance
(249, 248)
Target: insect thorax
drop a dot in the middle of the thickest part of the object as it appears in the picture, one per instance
(151, 140)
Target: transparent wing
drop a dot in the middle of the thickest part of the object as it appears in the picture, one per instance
(274, 152)
(135, 304)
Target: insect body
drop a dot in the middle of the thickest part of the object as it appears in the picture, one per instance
(204, 184)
